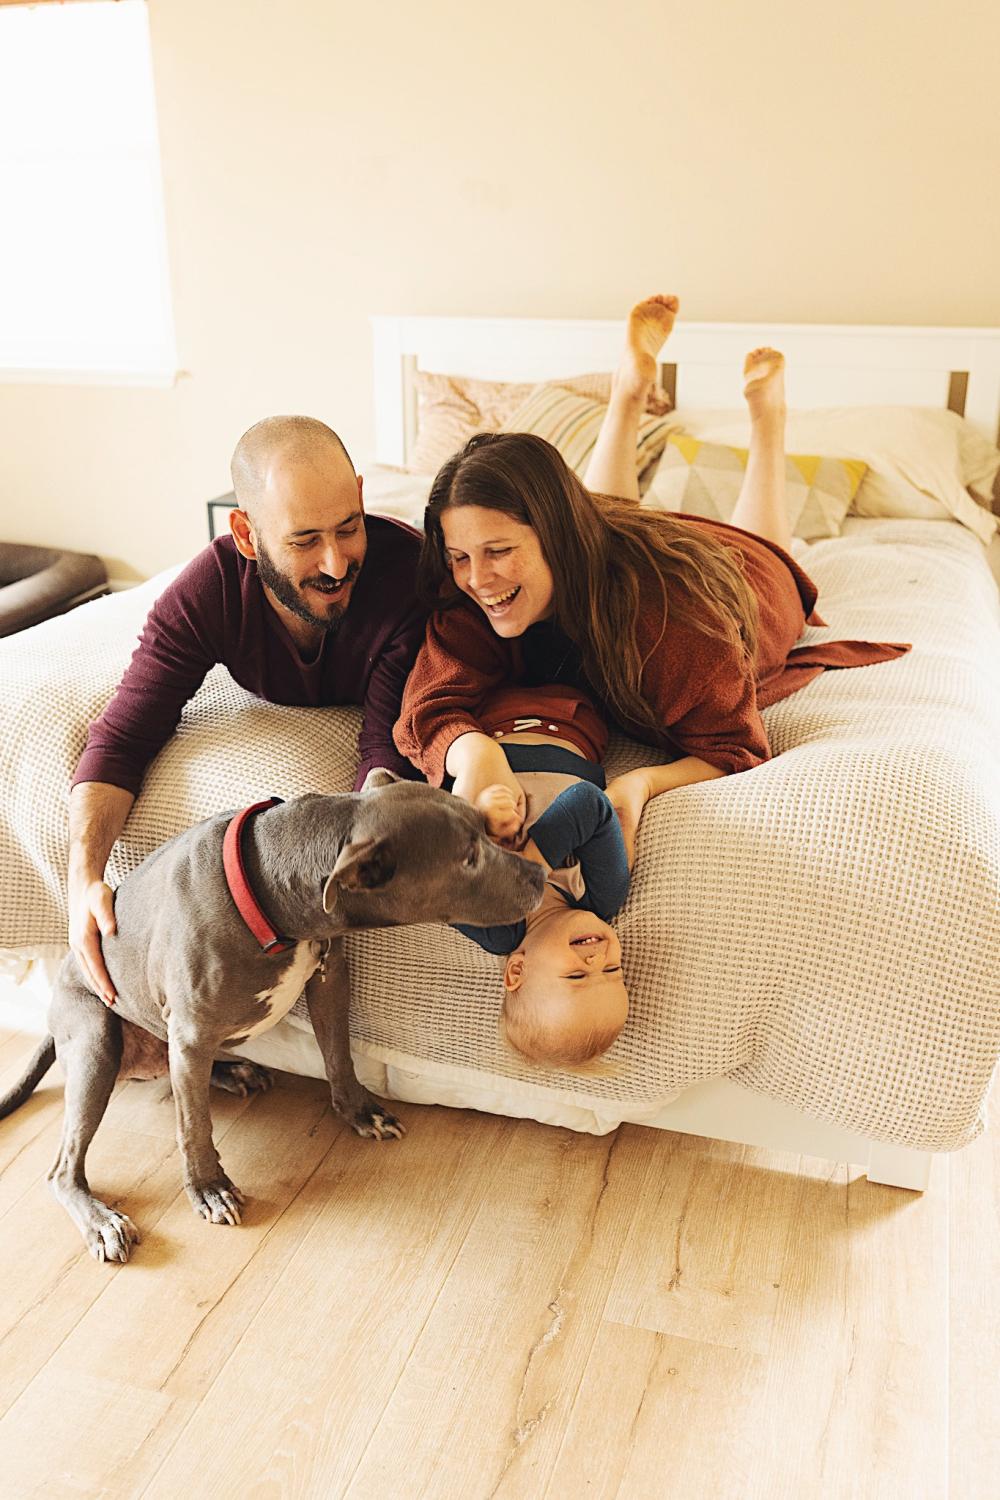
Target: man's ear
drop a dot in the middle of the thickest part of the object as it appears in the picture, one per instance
(513, 973)
(361, 497)
(368, 866)
(242, 530)
(377, 777)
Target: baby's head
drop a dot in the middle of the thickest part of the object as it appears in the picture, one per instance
(565, 1000)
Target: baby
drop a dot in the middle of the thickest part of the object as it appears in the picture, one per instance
(565, 1000)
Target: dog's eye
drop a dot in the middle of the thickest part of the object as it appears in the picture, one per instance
(472, 858)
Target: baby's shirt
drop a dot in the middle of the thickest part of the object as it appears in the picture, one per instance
(578, 826)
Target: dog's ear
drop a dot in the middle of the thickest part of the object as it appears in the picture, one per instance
(368, 866)
(377, 777)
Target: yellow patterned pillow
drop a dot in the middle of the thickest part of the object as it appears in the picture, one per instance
(704, 479)
(571, 424)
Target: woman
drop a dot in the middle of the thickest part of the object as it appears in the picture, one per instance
(681, 629)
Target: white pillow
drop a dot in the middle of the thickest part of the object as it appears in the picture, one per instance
(979, 457)
(920, 459)
(395, 492)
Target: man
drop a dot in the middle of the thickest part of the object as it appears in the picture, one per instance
(306, 603)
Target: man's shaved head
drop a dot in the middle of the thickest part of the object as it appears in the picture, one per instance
(292, 439)
(300, 517)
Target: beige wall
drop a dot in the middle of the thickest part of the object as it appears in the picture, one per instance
(324, 161)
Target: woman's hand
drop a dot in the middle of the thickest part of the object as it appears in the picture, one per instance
(503, 811)
(628, 796)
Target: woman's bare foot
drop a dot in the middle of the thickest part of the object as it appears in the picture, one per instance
(649, 323)
(764, 371)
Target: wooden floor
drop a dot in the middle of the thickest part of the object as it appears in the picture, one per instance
(492, 1308)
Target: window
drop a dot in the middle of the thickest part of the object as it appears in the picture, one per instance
(84, 289)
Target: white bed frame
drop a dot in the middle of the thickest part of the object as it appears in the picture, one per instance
(958, 368)
(828, 365)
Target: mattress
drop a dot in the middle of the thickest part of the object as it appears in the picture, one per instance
(822, 930)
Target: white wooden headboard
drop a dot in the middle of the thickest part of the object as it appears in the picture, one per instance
(828, 365)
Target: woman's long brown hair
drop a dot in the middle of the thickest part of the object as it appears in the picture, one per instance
(604, 554)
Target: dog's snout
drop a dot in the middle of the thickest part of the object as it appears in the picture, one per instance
(530, 876)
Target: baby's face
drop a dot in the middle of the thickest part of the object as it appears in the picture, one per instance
(572, 962)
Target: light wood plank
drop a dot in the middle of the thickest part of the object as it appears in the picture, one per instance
(639, 1428)
(707, 1246)
(974, 1309)
(169, 1323)
(29, 1139)
(858, 1357)
(15, 1050)
(65, 1434)
(739, 1250)
(493, 1308)
(493, 1375)
(337, 1329)
(48, 1276)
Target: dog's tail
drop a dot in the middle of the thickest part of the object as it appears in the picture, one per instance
(37, 1069)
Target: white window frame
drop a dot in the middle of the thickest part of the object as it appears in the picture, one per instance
(136, 344)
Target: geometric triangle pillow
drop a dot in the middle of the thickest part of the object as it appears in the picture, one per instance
(704, 479)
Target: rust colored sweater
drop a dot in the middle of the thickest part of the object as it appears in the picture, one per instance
(706, 699)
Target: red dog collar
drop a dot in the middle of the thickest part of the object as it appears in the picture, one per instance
(240, 889)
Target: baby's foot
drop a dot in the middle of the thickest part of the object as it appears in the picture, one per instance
(764, 370)
(649, 323)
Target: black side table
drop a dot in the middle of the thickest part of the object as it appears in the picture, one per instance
(218, 515)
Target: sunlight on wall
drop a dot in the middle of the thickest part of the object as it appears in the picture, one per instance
(83, 273)
(323, 162)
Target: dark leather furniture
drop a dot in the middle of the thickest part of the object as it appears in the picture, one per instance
(39, 582)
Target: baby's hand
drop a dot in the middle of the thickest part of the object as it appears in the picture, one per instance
(502, 810)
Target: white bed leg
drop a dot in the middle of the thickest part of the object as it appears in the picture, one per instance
(899, 1166)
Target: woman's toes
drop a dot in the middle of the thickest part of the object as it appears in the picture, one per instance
(764, 381)
(649, 323)
(764, 352)
(654, 317)
(763, 364)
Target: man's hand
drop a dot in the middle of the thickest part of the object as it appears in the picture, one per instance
(503, 811)
(97, 814)
(91, 917)
(628, 796)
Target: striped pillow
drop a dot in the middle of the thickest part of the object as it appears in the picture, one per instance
(571, 423)
(451, 408)
(704, 479)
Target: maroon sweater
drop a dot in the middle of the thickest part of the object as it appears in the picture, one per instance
(216, 611)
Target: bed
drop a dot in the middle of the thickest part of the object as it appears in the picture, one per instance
(811, 948)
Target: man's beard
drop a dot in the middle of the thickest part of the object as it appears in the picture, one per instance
(291, 594)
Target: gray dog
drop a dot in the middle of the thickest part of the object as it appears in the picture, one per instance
(195, 966)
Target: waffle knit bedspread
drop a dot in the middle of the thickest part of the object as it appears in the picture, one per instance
(824, 928)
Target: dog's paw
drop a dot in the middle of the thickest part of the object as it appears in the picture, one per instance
(110, 1235)
(219, 1202)
(376, 1123)
(242, 1077)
